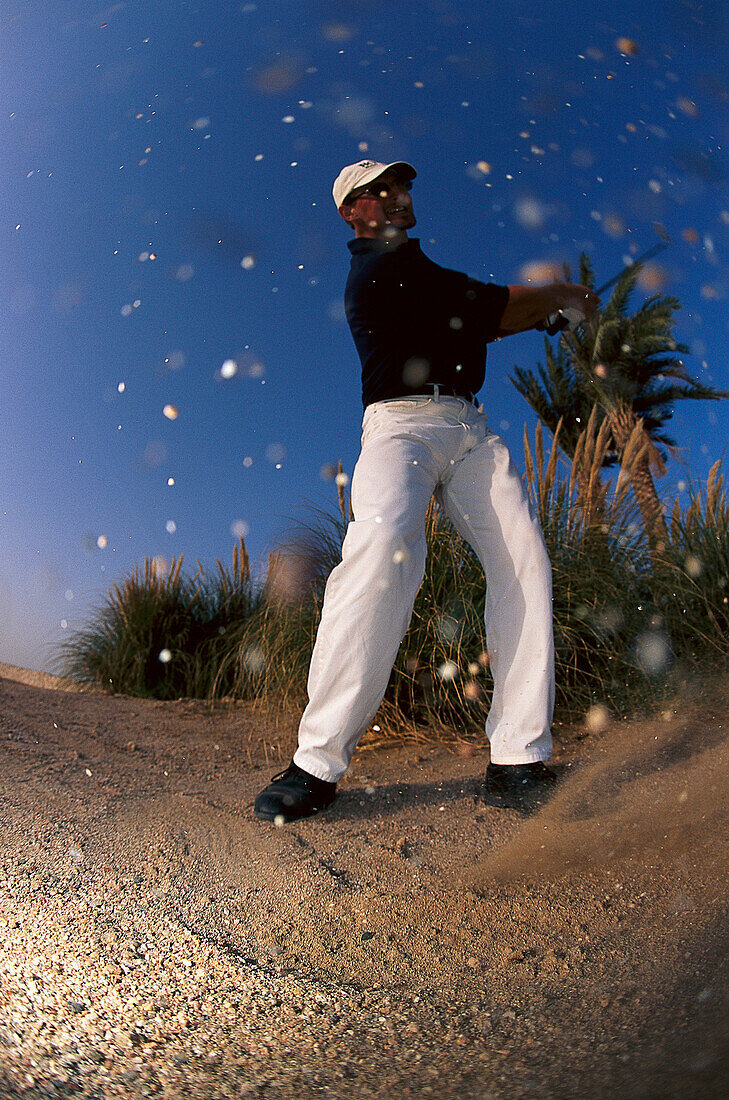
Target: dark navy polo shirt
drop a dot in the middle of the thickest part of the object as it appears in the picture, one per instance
(416, 323)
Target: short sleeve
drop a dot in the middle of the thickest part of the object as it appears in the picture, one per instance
(489, 301)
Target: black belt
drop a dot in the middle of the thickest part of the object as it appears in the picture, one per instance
(451, 391)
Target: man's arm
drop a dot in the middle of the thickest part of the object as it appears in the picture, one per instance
(529, 306)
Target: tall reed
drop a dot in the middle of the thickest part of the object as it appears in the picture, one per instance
(692, 574)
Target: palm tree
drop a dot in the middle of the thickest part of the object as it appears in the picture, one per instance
(628, 365)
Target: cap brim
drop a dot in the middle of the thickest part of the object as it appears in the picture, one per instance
(409, 171)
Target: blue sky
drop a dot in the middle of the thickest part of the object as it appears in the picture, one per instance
(166, 209)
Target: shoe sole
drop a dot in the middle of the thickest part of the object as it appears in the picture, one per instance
(262, 816)
(523, 801)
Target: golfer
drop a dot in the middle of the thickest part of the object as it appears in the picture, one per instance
(421, 332)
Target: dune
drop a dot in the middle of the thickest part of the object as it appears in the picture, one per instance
(29, 676)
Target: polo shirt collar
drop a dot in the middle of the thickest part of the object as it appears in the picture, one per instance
(380, 245)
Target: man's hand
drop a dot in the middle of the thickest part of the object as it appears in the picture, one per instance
(580, 304)
(539, 307)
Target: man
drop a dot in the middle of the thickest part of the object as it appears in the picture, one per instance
(421, 333)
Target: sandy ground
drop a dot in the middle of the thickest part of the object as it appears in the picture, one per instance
(157, 940)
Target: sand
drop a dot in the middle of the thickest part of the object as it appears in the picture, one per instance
(158, 940)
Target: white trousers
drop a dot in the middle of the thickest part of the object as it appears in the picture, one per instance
(412, 448)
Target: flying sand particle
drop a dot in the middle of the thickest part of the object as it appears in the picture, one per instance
(627, 46)
(597, 718)
(448, 671)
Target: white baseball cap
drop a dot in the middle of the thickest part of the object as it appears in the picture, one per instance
(365, 171)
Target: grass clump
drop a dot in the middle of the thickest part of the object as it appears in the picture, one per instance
(161, 633)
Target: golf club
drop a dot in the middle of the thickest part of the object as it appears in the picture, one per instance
(570, 318)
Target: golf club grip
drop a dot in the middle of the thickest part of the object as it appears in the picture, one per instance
(556, 322)
(567, 318)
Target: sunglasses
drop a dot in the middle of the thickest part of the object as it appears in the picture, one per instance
(381, 190)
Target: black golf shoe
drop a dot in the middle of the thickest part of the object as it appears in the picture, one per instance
(293, 794)
(522, 787)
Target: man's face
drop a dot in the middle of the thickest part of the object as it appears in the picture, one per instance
(382, 208)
